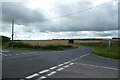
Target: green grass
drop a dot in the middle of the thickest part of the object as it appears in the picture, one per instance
(102, 49)
(25, 46)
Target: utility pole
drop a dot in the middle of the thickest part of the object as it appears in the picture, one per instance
(12, 29)
(109, 43)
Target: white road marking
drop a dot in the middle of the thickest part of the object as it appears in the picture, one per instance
(51, 73)
(84, 55)
(67, 62)
(80, 57)
(31, 76)
(72, 63)
(53, 67)
(5, 51)
(60, 69)
(41, 72)
(42, 77)
(97, 66)
(66, 66)
(60, 65)
(76, 58)
(34, 75)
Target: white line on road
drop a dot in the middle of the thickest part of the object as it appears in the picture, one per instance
(41, 72)
(67, 62)
(66, 66)
(53, 67)
(60, 69)
(42, 77)
(71, 63)
(81, 57)
(31, 76)
(47, 70)
(97, 66)
(5, 51)
(51, 73)
(60, 65)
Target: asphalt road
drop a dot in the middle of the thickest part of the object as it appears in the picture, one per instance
(52, 65)
(90, 66)
(20, 64)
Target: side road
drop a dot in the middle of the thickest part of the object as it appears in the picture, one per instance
(88, 67)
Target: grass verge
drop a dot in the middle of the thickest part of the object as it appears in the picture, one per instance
(102, 48)
(25, 46)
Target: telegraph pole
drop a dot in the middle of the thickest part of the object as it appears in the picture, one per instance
(12, 29)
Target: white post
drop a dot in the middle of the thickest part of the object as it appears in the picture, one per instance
(109, 43)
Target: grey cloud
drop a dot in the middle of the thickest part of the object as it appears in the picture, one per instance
(113, 33)
(19, 12)
(97, 19)
(101, 20)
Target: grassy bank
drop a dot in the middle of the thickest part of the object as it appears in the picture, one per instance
(25, 46)
(102, 48)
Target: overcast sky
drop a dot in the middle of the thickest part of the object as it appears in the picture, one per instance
(60, 19)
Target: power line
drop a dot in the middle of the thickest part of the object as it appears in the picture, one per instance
(69, 14)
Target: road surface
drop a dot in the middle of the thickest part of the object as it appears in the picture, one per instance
(21, 64)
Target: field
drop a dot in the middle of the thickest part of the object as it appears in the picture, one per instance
(100, 47)
(44, 44)
(54, 42)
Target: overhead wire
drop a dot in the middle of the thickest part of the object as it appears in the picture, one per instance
(69, 14)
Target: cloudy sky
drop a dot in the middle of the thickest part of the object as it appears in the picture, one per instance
(59, 19)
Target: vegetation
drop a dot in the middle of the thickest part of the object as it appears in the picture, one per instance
(34, 44)
(4, 41)
(102, 48)
(25, 46)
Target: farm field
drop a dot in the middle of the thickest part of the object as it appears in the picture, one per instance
(99, 46)
(54, 42)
